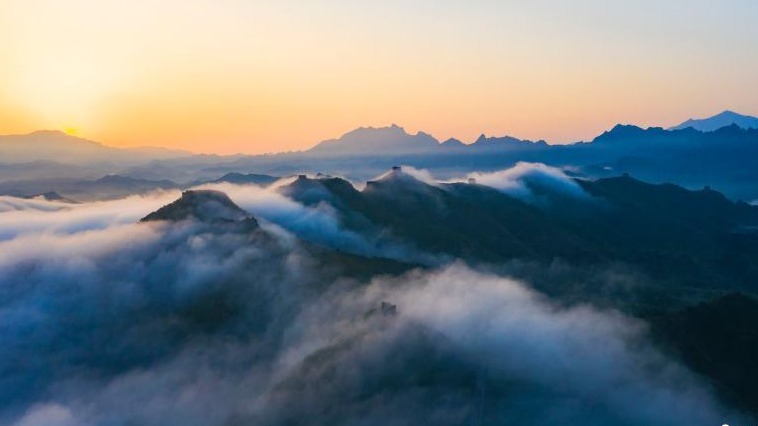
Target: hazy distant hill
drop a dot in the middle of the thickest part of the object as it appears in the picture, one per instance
(377, 141)
(726, 118)
(106, 187)
(726, 159)
(48, 170)
(53, 196)
(249, 178)
(52, 145)
(484, 143)
(394, 140)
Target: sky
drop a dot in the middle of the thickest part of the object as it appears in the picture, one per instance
(256, 76)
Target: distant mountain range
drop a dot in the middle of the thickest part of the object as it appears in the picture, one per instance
(61, 148)
(693, 154)
(394, 140)
(113, 186)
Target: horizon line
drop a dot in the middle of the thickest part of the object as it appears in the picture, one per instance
(440, 141)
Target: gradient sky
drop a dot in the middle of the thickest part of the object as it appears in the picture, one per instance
(254, 76)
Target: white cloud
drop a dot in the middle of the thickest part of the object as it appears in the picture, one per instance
(521, 180)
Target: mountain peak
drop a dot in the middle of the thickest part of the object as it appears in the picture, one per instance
(453, 143)
(621, 131)
(625, 128)
(722, 119)
(391, 130)
(497, 140)
(60, 147)
(399, 176)
(377, 141)
(729, 113)
(56, 136)
(204, 206)
(49, 132)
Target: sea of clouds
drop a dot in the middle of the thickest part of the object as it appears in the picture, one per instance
(106, 321)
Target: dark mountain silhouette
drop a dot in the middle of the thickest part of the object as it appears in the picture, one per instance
(691, 247)
(484, 143)
(693, 238)
(621, 133)
(219, 214)
(250, 178)
(434, 219)
(718, 339)
(723, 159)
(726, 118)
(204, 206)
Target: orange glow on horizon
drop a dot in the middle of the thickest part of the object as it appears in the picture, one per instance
(258, 77)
